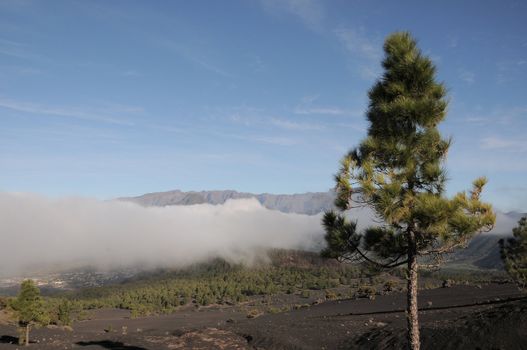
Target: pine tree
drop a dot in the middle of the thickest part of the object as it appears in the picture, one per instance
(514, 253)
(29, 308)
(398, 171)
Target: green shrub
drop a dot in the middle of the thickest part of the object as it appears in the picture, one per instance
(366, 292)
(3, 302)
(273, 310)
(389, 286)
(65, 309)
(331, 295)
(254, 313)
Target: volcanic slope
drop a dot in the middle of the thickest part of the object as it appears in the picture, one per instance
(490, 316)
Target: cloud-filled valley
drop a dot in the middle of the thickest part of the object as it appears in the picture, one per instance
(43, 232)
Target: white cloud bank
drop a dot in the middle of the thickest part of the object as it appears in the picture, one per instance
(43, 234)
(40, 232)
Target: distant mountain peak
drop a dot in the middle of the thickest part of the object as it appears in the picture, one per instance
(309, 203)
(482, 251)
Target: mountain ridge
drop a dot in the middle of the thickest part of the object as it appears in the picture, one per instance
(309, 203)
(482, 251)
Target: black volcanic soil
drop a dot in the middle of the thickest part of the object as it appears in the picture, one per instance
(462, 317)
(450, 319)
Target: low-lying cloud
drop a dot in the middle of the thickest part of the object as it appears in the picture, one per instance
(36, 231)
(42, 234)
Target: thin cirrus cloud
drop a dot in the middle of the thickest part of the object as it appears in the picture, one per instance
(487, 163)
(499, 143)
(289, 125)
(361, 47)
(322, 110)
(256, 63)
(356, 42)
(21, 70)
(21, 51)
(308, 107)
(467, 76)
(365, 52)
(359, 44)
(14, 49)
(310, 12)
(281, 140)
(272, 140)
(101, 115)
(254, 120)
(131, 73)
(502, 116)
(510, 70)
(191, 55)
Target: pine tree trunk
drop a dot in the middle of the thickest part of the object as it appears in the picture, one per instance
(411, 306)
(27, 335)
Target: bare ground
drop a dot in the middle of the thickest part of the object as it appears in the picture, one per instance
(492, 316)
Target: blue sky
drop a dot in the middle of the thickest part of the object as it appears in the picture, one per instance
(116, 98)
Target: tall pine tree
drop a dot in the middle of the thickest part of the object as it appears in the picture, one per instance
(398, 171)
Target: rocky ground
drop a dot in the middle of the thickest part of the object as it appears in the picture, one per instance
(491, 316)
